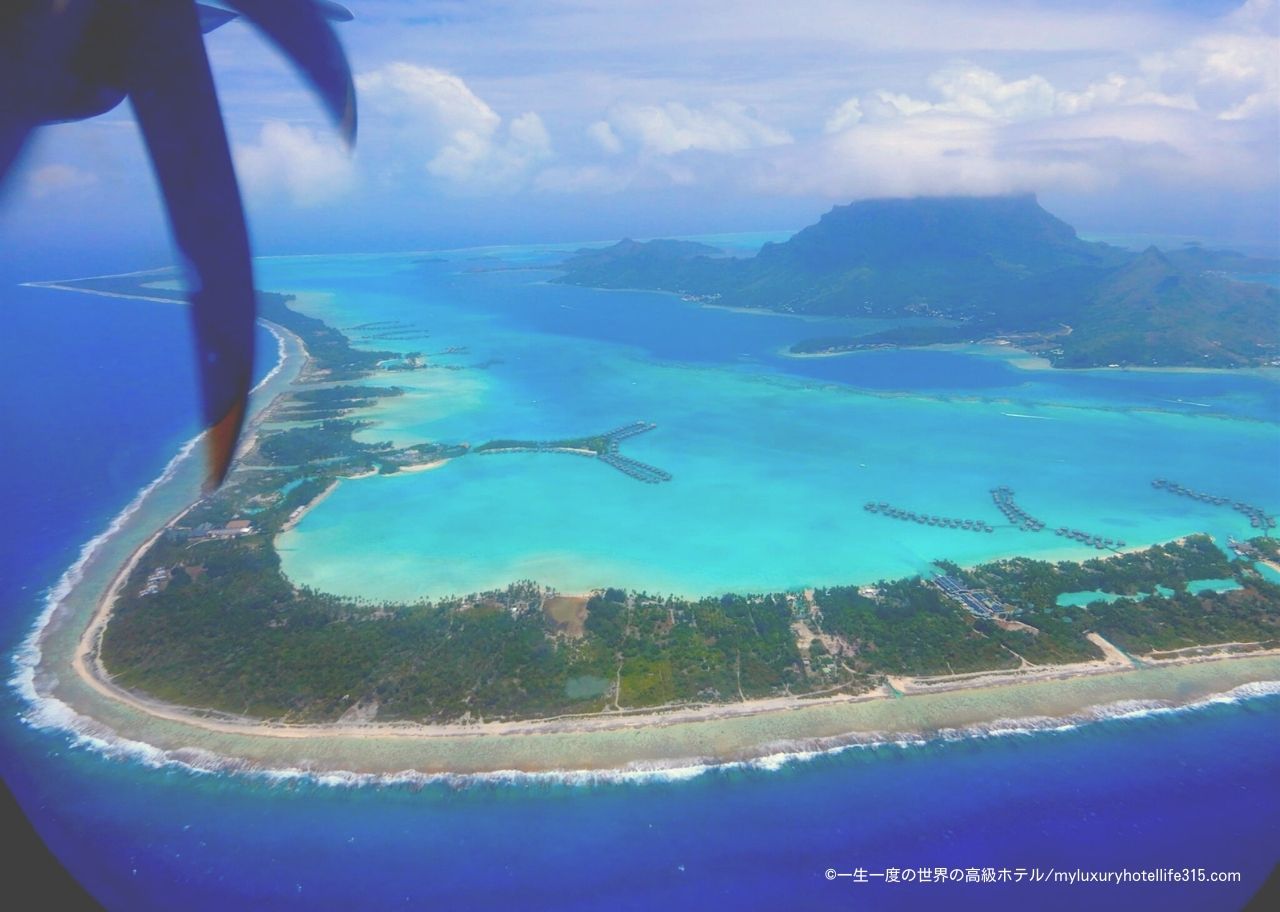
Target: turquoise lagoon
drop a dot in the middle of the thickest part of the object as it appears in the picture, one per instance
(772, 456)
(1089, 596)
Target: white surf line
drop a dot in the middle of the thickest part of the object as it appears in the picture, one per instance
(47, 711)
(29, 654)
(110, 275)
(1036, 417)
(58, 286)
(1189, 402)
(281, 352)
(265, 324)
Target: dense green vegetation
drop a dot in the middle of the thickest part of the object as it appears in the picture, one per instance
(1142, 622)
(227, 632)
(329, 447)
(333, 401)
(980, 267)
(1267, 547)
(937, 333)
(332, 356)
(1037, 584)
(715, 649)
(1152, 312)
(316, 443)
(907, 627)
(597, 444)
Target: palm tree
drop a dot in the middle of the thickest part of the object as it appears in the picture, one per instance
(66, 60)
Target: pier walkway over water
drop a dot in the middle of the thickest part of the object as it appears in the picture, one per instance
(947, 522)
(1021, 519)
(1003, 499)
(599, 446)
(1258, 518)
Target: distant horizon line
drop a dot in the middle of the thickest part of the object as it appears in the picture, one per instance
(1134, 240)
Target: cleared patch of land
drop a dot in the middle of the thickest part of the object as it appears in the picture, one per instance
(568, 612)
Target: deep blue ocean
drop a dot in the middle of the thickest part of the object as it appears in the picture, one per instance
(97, 396)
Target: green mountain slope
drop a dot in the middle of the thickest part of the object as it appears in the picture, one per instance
(986, 266)
(1151, 312)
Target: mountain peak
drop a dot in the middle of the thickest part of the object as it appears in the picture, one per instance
(1154, 254)
(1013, 230)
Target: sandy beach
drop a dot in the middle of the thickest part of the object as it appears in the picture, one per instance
(69, 688)
(296, 516)
(1025, 359)
(424, 466)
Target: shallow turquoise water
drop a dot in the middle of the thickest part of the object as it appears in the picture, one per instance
(1085, 597)
(1089, 596)
(772, 456)
(1195, 587)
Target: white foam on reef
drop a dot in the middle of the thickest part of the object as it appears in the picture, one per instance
(27, 658)
(48, 712)
(280, 356)
(115, 275)
(51, 713)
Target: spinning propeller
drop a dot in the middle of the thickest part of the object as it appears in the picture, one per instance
(66, 60)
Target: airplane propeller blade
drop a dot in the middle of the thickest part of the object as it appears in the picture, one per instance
(212, 17)
(172, 92)
(300, 29)
(13, 136)
(73, 59)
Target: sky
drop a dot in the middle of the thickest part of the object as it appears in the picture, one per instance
(485, 122)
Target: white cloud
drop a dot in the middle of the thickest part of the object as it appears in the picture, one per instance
(412, 92)
(980, 92)
(1254, 12)
(1204, 112)
(967, 90)
(928, 155)
(883, 105)
(1043, 97)
(459, 138)
(673, 127)
(604, 137)
(1232, 75)
(293, 160)
(1117, 90)
(583, 179)
(844, 117)
(56, 178)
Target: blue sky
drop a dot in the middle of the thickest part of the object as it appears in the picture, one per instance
(484, 122)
